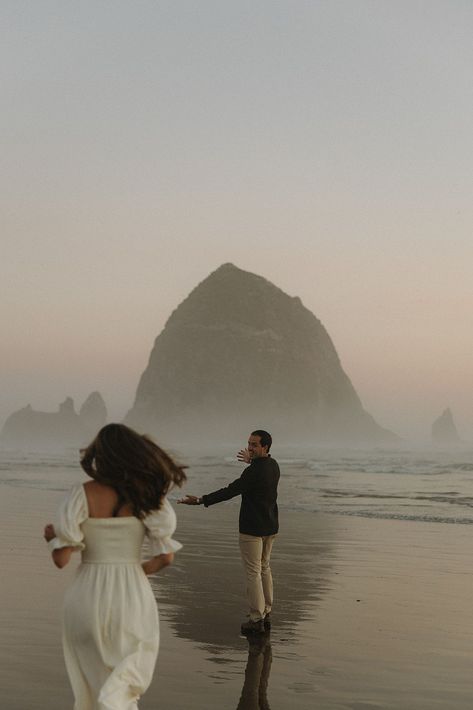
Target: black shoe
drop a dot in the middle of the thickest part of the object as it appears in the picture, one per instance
(253, 627)
(267, 622)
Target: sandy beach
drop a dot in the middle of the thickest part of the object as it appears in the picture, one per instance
(369, 614)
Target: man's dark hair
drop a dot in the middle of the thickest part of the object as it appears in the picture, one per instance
(265, 437)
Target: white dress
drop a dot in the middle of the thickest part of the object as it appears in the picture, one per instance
(110, 623)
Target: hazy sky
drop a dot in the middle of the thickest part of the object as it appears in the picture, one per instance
(326, 145)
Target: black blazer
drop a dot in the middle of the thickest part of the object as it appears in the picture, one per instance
(258, 487)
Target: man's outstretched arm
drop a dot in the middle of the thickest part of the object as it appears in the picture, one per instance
(236, 488)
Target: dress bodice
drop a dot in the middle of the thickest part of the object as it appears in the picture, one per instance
(112, 540)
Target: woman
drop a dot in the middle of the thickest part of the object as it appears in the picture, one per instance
(111, 628)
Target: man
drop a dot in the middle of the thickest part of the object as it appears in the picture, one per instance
(258, 525)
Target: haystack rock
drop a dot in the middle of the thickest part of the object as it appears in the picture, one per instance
(31, 429)
(444, 430)
(239, 354)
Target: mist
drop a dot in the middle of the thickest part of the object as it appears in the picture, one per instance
(326, 147)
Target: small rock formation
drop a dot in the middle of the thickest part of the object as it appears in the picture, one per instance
(92, 415)
(31, 429)
(239, 354)
(444, 430)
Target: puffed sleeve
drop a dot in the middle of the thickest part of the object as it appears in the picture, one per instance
(160, 525)
(70, 515)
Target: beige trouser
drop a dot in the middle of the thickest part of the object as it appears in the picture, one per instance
(255, 553)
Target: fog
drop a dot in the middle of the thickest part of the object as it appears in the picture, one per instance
(325, 146)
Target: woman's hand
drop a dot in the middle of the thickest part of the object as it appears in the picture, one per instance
(49, 532)
(156, 563)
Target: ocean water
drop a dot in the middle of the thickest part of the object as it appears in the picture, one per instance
(372, 611)
(430, 486)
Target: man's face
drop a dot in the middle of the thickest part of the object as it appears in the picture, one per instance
(255, 448)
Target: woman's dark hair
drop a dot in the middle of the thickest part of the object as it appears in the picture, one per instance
(133, 465)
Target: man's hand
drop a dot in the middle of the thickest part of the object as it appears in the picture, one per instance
(190, 500)
(49, 532)
(244, 455)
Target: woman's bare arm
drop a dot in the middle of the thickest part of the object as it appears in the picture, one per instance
(157, 563)
(62, 556)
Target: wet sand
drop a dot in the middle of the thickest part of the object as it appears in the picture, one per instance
(368, 614)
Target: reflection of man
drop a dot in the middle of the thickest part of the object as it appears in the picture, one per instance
(258, 524)
(254, 692)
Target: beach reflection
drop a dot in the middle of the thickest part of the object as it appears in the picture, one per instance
(254, 694)
(203, 596)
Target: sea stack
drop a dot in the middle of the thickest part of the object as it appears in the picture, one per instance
(444, 431)
(30, 429)
(92, 416)
(239, 354)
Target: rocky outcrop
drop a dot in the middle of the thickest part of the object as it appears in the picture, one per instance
(444, 430)
(92, 415)
(31, 429)
(238, 353)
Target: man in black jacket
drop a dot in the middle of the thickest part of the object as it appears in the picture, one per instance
(258, 487)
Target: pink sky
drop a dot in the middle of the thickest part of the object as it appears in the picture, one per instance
(325, 146)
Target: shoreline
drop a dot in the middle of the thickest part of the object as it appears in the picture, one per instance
(368, 613)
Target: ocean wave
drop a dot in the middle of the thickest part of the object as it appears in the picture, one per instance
(462, 466)
(372, 485)
(380, 515)
(37, 484)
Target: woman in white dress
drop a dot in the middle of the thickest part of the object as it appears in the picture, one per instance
(110, 623)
